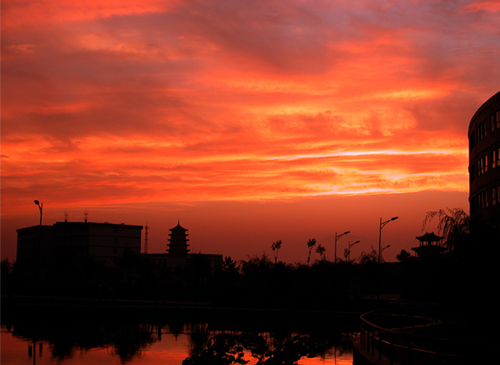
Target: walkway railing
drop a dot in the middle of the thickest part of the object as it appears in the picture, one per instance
(390, 334)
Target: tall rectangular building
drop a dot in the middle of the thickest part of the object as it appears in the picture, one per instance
(40, 246)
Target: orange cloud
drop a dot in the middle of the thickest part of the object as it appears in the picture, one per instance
(490, 6)
(191, 101)
(19, 13)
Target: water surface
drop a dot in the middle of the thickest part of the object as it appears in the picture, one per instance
(172, 341)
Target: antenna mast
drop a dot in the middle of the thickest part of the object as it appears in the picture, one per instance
(86, 214)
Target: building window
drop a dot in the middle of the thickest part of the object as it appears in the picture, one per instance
(498, 119)
(494, 158)
(483, 200)
(483, 164)
(494, 196)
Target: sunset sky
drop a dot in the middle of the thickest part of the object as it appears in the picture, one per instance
(248, 121)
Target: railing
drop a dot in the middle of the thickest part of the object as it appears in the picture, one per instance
(389, 334)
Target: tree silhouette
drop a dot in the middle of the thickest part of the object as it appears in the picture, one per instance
(454, 225)
(276, 248)
(229, 265)
(256, 266)
(321, 251)
(403, 255)
(368, 257)
(7, 275)
(310, 244)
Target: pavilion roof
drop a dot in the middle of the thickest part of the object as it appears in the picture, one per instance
(429, 237)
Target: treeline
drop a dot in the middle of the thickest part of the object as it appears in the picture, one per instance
(256, 282)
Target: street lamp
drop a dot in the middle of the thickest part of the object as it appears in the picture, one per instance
(336, 238)
(40, 207)
(37, 266)
(349, 245)
(382, 225)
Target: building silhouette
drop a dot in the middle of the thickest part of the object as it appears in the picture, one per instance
(40, 247)
(178, 256)
(484, 166)
(104, 242)
(178, 241)
(66, 247)
(430, 245)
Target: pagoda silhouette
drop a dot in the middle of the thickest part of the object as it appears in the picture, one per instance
(178, 245)
(178, 255)
(430, 245)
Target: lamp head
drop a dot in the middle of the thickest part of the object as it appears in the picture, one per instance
(347, 232)
(394, 218)
(37, 202)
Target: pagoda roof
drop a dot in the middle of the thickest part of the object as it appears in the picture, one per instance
(429, 237)
(178, 227)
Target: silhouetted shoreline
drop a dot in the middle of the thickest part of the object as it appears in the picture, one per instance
(49, 310)
(28, 305)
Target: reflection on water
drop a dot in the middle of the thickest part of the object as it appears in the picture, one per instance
(270, 348)
(170, 342)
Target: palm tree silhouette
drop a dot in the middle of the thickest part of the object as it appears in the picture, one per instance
(310, 244)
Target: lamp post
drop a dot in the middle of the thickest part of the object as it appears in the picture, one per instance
(336, 239)
(349, 245)
(40, 207)
(37, 266)
(383, 248)
(382, 225)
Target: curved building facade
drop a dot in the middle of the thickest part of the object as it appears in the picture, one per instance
(484, 165)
